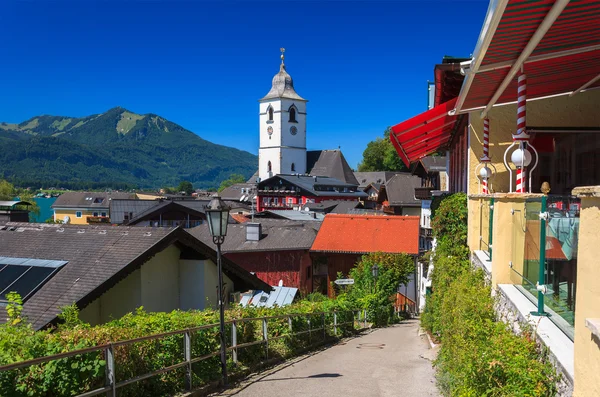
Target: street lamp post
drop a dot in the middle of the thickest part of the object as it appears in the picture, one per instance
(218, 215)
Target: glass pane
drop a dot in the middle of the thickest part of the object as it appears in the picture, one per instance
(224, 220)
(562, 233)
(31, 280)
(9, 275)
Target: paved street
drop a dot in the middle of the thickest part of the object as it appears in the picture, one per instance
(393, 361)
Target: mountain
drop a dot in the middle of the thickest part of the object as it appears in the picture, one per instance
(115, 149)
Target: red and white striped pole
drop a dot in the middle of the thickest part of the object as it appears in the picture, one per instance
(485, 172)
(521, 132)
(486, 140)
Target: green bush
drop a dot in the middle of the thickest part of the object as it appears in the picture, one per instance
(479, 356)
(77, 374)
(377, 296)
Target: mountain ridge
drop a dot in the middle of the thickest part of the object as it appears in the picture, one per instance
(112, 149)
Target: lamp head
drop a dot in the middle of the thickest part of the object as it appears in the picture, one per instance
(521, 157)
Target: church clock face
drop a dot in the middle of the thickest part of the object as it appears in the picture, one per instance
(293, 130)
(270, 130)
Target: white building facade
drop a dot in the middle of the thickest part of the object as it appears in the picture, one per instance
(282, 129)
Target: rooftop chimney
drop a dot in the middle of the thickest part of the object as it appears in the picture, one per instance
(253, 231)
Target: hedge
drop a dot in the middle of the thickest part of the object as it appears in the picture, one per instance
(479, 355)
(78, 374)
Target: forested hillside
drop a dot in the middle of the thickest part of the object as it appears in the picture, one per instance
(115, 149)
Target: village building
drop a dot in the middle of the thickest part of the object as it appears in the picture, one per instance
(337, 247)
(293, 191)
(109, 271)
(82, 208)
(14, 211)
(522, 135)
(275, 250)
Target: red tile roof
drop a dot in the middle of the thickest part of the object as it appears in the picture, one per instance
(239, 218)
(350, 233)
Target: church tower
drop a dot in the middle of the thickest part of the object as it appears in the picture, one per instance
(282, 128)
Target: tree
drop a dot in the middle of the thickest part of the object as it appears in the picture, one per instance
(233, 179)
(380, 155)
(186, 187)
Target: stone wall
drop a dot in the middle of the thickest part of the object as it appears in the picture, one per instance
(508, 312)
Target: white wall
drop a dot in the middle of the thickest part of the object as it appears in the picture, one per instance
(162, 284)
(160, 281)
(281, 148)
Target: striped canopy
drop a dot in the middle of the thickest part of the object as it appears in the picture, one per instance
(565, 59)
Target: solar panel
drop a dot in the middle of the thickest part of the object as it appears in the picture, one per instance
(25, 275)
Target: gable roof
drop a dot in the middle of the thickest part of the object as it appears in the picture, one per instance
(120, 207)
(89, 199)
(238, 192)
(277, 235)
(400, 190)
(359, 234)
(330, 163)
(367, 178)
(97, 258)
(292, 215)
(197, 208)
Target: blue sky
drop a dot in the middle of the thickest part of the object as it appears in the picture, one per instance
(204, 64)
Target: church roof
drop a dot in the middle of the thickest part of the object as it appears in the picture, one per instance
(283, 86)
(330, 163)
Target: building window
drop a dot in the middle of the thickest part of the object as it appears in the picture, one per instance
(103, 214)
(95, 214)
(78, 214)
(292, 114)
(276, 201)
(290, 200)
(293, 167)
(269, 167)
(270, 113)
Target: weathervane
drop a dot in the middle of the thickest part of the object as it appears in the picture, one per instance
(282, 56)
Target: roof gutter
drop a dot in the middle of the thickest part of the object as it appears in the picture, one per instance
(470, 68)
(539, 34)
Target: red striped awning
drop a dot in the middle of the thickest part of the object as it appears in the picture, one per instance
(566, 58)
(424, 134)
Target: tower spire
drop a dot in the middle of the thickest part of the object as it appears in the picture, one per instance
(282, 56)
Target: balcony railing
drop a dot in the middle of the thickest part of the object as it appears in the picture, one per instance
(548, 253)
(98, 219)
(243, 341)
(423, 193)
(486, 225)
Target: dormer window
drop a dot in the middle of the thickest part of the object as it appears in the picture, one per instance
(292, 112)
(270, 113)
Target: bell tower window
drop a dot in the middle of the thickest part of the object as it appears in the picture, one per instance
(269, 167)
(292, 114)
(293, 167)
(270, 114)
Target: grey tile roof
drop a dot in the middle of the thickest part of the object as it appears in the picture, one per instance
(400, 190)
(366, 178)
(98, 257)
(434, 163)
(345, 207)
(89, 199)
(310, 185)
(118, 208)
(293, 215)
(278, 235)
(282, 86)
(330, 163)
(237, 192)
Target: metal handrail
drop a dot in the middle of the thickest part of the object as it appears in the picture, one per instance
(111, 385)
